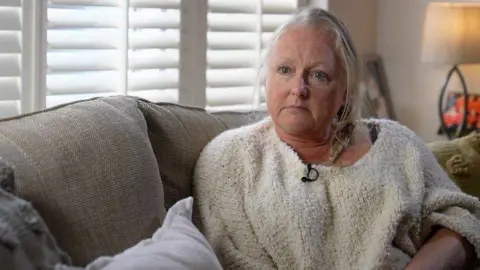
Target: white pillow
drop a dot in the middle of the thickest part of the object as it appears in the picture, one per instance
(178, 244)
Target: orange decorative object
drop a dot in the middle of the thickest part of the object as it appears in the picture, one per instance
(453, 113)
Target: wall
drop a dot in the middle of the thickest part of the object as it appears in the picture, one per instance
(393, 29)
(359, 16)
(414, 85)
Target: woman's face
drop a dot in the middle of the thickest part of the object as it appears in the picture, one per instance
(305, 85)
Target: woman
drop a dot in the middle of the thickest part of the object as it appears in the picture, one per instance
(313, 187)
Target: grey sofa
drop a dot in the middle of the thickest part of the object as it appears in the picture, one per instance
(102, 172)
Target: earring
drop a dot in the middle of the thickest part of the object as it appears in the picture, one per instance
(335, 120)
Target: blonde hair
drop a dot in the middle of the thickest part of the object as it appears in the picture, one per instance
(344, 51)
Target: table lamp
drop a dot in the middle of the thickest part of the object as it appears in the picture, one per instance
(451, 35)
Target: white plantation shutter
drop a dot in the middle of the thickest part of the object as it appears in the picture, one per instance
(238, 31)
(196, 52)
(10, 57)
(112, 47)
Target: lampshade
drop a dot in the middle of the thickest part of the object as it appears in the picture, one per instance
(451, 33)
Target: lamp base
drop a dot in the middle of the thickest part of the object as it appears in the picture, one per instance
(462, 125)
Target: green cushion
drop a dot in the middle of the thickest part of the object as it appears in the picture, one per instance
(460, 158)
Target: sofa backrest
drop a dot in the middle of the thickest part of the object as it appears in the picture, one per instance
(89, 170)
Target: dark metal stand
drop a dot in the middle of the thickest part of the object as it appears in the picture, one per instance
(463, 124)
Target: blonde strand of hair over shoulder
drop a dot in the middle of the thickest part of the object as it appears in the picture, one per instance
(346, 54)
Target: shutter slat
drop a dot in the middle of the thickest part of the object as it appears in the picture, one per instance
(250, 6)
(154, 38)
(151, 59)
(9, 65)
(157, 95)
(229, 6)
(87, 17)
(278, 6)
(229, 96)
(10, 42)
(165, 4)
(152, 79)
(84, 2)
(231, 77)
(266, 38)
(231, 41)
(54, 100)
(244, 22)
(231, 59)
(270, 22)
(82, 82)
(11, 3)
(10, 88)
(82, 39)
(232, 22)
(85, 60)
(154, 18)
(9, 108)
(10, 19)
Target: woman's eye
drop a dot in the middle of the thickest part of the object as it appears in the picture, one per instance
(284, 70)
(320, 75)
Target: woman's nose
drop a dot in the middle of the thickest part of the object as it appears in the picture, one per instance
(300, 88)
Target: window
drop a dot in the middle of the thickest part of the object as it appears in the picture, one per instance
(237, 34)
(196, 52)
(10, 57)
(112, 47)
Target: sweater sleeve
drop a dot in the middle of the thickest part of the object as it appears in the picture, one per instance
(219, 207)
(445, 205)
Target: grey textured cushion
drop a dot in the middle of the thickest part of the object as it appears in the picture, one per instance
(89, 170)
(178, 134)
(233, 119)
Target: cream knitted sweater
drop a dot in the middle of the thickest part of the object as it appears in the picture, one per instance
(257, 213)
